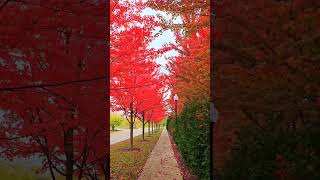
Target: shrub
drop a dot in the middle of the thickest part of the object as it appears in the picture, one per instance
(115, 121)
(264, 155)
(191, 133)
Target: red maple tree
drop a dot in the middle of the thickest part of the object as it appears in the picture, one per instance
(53, 87)
(136, 82)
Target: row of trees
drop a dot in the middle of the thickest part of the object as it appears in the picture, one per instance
(53, 85)
(266, 87)
(137, 86)
(117, 120)
(190, 80)
(190, 69)
(264, 81)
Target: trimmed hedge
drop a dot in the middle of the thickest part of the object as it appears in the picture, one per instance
(265, 155)
(191, 133)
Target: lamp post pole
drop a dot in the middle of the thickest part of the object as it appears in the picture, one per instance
(176, 98)
(176, 107)
(213, 119)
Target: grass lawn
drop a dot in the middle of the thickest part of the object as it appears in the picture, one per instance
(128, 164)
(17, 172)
(125, 124)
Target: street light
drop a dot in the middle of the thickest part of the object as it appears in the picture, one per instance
(213, 119)
(175, 98)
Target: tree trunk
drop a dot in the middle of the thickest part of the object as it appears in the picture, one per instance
(143, 125)
(131, 127)
(131, 134)
(149, 128)
(47, 154)
(68, 134)
(142, 130)
(105, 171)
(68, 149)
(152, 127)
(51, 171)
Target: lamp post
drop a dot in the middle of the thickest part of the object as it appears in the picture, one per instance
(176, 98)
(213, 119)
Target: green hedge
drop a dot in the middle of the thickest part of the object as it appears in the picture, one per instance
(191, 133)
(265, 155)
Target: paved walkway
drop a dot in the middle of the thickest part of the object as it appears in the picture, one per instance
(124, 134)
(161, 165)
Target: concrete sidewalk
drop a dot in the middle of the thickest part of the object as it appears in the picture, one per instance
(162, 164)
(124, 134)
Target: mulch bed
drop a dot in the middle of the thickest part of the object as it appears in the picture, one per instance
(131, 149)
(184, 169)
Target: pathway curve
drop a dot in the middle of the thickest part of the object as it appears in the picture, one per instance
(124, 134)
(162, 164)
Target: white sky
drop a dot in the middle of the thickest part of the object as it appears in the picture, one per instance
(165, 38)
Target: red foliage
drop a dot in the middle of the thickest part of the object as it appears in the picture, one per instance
(135, 76)
(52, 88)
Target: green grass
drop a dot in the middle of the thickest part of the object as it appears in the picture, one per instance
(10, 171)
(20, 173)
(128, 164)
(125, 124)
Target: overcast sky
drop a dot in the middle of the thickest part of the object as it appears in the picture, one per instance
(166, 37)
